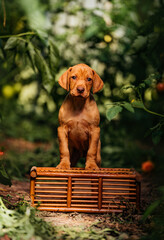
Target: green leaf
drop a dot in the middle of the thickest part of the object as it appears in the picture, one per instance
(113, 111)
(47, 79)
(91, 31)
(4, 178)
(11, 43)
(156, 136)
(35, 16)
(138, 104)
(152, 78)
(53, 58)
(148, 81)
(54, 48)
(127, 87)
(31, 54)
(1, 54)
(128, 107)
(150, 209)
(139, 43)
(142, 85)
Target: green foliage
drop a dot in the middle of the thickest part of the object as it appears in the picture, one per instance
(36, 18)
(40, 41)
(128, 107)
(41, 67)
(113, 111)
(23, 224)
(11, 43)
(139, 43)
(118, 107)
(4, 177)
(92, 233)
(156, 213)
(19, 164)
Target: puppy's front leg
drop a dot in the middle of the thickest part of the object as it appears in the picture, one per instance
(91, 158)
(63, 148)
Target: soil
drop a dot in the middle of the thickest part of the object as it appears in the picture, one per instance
(128, 224)
(23, 145)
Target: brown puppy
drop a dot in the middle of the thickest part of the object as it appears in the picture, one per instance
(79, 132)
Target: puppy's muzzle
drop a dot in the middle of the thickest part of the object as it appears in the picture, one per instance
(80, 89)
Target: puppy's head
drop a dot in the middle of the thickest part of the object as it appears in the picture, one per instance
(79, 80)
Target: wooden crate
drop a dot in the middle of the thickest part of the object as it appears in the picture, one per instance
(105, 190)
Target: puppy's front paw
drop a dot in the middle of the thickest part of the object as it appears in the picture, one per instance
(91, 166)
(63, 165)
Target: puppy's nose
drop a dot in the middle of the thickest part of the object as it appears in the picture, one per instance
(80, 89)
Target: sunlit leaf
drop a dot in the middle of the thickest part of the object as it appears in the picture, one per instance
(128, 107)
(35, 16)
(139, 43)
(11, 43)
(91, 31)
(127, 87)
(47, 79)
(53, 58)
(113, 111)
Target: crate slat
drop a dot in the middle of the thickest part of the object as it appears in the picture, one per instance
(125, 197)
(54, 183)
(117, 180)
(85, 188)
(86, 201)
(120, 189)
(47, 187)
(52, 205)
(118, 184)
(41, 191)
(77, 189)
(82, 183)
(50, 200)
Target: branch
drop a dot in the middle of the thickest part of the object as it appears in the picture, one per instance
(18, 35)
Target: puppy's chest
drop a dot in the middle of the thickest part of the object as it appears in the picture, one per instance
(78, 131)
(78, 126)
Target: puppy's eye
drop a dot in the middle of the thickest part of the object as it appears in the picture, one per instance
(74, 77)
(89, 79)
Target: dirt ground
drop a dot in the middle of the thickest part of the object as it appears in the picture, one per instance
(129, 224)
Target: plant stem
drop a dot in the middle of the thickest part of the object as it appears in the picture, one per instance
(154, 113)
(147, 110)
(18, 35)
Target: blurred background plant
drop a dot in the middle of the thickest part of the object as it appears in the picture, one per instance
(121, 40)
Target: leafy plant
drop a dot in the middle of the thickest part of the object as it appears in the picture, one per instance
(23, 224)
(4, 177)
(155, 205)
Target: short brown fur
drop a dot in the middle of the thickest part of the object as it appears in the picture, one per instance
(79, 132)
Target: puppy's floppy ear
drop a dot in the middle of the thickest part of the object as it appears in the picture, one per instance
(97, 82)
(64, 79)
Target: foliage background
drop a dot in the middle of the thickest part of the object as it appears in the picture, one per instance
(121, 40)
